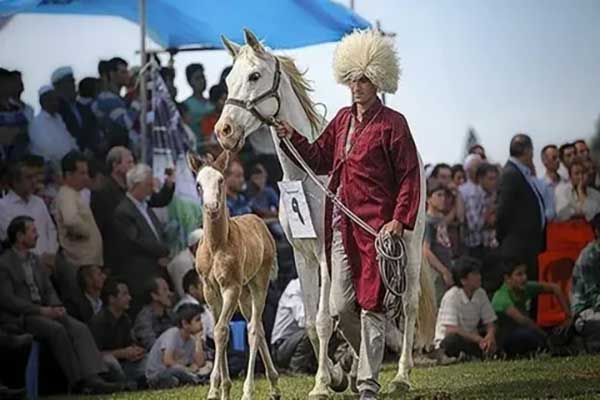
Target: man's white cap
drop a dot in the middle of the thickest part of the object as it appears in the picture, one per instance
(195, 236)
(61, 73)
(471, 158)
(45, 89)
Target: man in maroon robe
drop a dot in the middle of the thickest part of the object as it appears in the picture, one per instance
(371, 157)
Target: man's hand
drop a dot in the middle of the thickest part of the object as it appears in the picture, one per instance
(447, 277)
(394, 228)
(52, 312)
(284, 129)
(488, 344)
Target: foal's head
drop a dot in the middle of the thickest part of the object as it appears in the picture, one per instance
(210, 180)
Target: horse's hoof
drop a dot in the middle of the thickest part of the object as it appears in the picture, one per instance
(275, 397)
(319, 396)
(397, 387)
(341, 386)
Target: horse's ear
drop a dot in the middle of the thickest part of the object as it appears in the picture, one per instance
(193, 161)
(232, 48)
(253, 42)
(222, 162)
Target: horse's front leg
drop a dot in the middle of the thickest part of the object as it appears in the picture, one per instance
(230, 295)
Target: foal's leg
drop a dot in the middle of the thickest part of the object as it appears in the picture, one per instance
(231, 295)
(215, 301)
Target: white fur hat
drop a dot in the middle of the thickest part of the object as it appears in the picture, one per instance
(367, 53)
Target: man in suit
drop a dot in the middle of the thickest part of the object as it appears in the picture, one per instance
(27, 294)
(141, 236)
(105, 200)
(521, 221)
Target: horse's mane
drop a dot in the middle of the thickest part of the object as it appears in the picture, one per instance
(301, 87)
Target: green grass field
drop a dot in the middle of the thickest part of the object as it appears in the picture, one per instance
(542, 378)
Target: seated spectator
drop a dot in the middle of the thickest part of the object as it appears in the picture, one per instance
(585, 293)
(184, 262)
(436, 245)
(113, 331)
(234, 183)
(192, 285)
(48, 133)
(176, 358)
(197, 104)
(264, 200)
(16, 348)
(86, 303)
(291, 347)
(576, 199)
(465, 308)
(20, 200)
(26, 291)
(156, 317)
(518, 334)
(78, 234)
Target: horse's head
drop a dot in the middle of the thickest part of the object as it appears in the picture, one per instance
(210, 180)
(251, 92)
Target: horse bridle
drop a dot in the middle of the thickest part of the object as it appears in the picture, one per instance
(250, 105)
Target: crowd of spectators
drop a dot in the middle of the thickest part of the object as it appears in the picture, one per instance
(86, 271)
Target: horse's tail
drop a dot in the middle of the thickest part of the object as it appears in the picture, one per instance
(427, 308)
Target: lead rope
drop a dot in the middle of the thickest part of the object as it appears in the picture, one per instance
(391, 251)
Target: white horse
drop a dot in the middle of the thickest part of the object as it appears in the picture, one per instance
(262, 86)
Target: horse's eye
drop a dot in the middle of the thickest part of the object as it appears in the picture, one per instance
(254, 77)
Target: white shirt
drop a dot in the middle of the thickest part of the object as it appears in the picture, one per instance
(49, 137)
(12, 206)
(142, 207)
(290, 312)
(178, 267)
(567, 204)
(208, 322)
(458, 310)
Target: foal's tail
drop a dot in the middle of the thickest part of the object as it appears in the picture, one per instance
(427, 308)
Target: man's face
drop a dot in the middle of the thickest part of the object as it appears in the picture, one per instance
(235, 179)
(568, 156)
(550, 159)
(96, 278)
(25, 186)
(363, 91)
(195, 325)
(459, 178)
(123, 298)
(121, 75)
(147, 186)
(577, 175)
(437, 200)
(50, 102)
(518, 278)
(66, 88)
(472, 281)
(590, 172)
(198, 81)
(489, 182)
(444, 176)
(163, 295)
(30, 237)
(582, 150)
(79, 178)
(125, 165)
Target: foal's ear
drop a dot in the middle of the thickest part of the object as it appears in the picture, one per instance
(222, 162)
(194, 161)
(253, 42)
(232, 47)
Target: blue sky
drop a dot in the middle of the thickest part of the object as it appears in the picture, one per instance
(500, 66)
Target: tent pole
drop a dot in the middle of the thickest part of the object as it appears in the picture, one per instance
(143, 93)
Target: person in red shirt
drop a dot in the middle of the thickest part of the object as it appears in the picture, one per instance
(373, 164)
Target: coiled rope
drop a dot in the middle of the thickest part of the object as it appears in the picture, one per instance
(391, 251)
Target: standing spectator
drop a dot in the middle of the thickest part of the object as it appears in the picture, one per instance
(192, 285)
(115, 117)
(15, 95)
(458, 175)
(591, 174)
(566, 154)
(552, 163)
(79, 237)
(104, 201)
(88, 89)
(184, 262)
(442, 173)
(141, 234)
(156, 316)
(87, 302)
(518, 334)
(292, 349)
(487, 177)
(20, 200)
(582, 150)
(113, 332)
(197, 104)
(585, 293)
(436, 246)
(64, 85)
(234, 184)
(176, 358)
(479, 150)
(575, 199)
(466, 307)
(48, 133)
(520, 218)
(26, 291)
(473, 197)
(13, 120)
(217, 96)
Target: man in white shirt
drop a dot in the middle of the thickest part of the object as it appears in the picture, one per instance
(48, 133)
(20, 200)
(184, 262)
(290, 343)
(464, 308)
